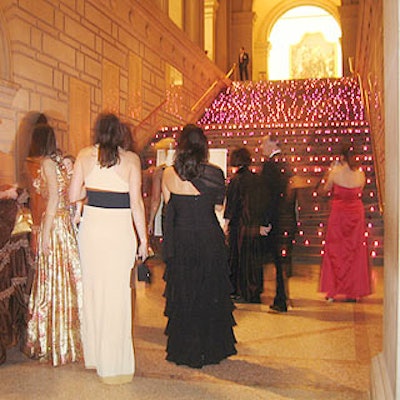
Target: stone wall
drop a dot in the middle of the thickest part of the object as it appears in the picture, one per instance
(369, 63)
(72, 59)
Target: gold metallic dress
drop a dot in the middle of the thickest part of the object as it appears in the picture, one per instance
(55, 302)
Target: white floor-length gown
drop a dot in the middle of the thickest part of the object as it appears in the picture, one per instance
(108, 246)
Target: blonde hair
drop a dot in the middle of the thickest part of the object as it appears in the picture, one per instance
(165, 144)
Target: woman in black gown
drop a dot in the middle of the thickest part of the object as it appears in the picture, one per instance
(197, 292)
(244, 202)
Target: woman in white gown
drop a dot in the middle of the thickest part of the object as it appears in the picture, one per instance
(110, 178)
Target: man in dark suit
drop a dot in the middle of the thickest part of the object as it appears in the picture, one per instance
(275, 177)
(243, 63)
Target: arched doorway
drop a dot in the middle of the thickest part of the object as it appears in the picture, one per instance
(304, 43)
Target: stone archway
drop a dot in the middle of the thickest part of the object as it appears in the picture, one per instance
(305, 43)
(266, 20)
(269, 20)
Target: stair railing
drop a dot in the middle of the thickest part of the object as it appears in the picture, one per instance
(209, 95)
(148, 126)
(365, 99)
(141, 140)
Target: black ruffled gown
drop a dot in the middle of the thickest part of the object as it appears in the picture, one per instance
(198, 304)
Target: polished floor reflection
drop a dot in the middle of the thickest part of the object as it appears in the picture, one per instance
(318, 350)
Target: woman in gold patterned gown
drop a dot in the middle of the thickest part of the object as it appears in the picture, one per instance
(53, 333)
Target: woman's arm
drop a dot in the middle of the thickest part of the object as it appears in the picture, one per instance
(328, 183)
(362, 178)
(78, 212)
(77, 190)
(155, 198)
(137, 204)
(164, 184)
(50, 176)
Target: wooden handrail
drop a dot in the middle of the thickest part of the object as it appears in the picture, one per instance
(365, 100)
(361, 88)
(225, 81)
(205, 94)
(231, 71)
(142, 140)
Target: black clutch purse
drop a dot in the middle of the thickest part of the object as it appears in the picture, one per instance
(143, 272)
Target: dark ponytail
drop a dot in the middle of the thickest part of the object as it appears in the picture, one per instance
(109, 135)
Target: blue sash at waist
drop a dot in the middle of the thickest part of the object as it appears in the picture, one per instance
(108, 199)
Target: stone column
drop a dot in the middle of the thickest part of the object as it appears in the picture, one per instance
(210, 11)
(260, 60)
(194, 20)
(242, 35)
(222, 35)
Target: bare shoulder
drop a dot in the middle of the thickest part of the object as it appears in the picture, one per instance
(337, 169)
(169, 176)
(86, 152)
(131, 157)
(48, 166)
(48, 162)
(337, 173)
(169, 172)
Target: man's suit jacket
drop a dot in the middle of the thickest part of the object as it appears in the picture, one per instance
(275, 176)
(244, 59)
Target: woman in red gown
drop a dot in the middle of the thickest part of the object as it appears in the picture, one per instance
(345, 265)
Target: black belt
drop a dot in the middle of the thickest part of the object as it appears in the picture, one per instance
(108, 199)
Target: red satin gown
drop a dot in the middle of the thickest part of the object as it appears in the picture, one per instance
(345, 265)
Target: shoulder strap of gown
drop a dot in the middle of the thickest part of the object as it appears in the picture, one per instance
(211, 180)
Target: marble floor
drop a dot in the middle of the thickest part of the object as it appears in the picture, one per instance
(318, 350)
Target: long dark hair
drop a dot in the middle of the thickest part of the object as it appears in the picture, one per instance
(191, 152)
(109, 135)
(350, 156)
(129, 142)
(43, 141)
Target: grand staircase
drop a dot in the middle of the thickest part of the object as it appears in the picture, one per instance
(312, 119)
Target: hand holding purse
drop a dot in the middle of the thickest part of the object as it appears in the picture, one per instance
(143, 273)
